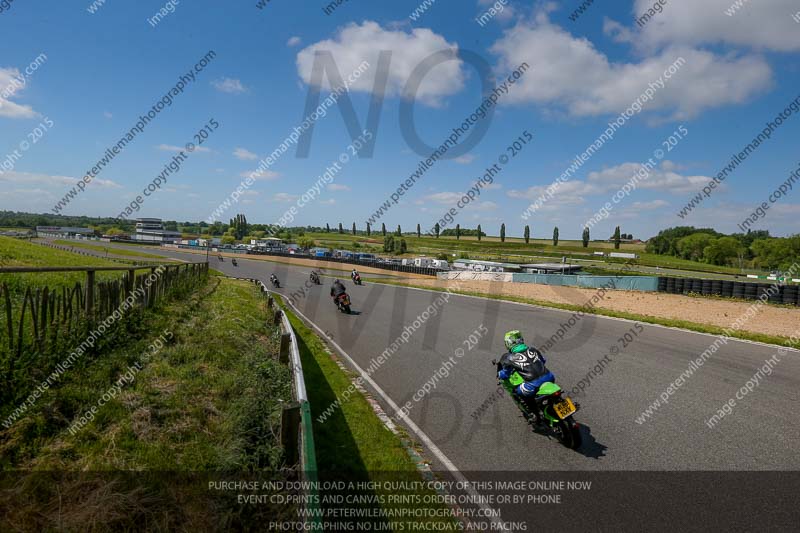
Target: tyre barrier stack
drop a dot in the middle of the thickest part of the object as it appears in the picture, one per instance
(786, 294)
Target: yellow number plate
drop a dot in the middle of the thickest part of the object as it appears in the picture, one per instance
(564, 408)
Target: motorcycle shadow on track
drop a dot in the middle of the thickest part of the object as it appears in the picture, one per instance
(589, 448)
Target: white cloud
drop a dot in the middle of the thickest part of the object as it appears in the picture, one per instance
(293, 41)
(603, 183)
(338, 187)
(357, 43)
(329, 201)
(173, 148)
(465, 159)
(662, 178)
(507, 12)
(644, 206)
(53, 181)
(107, 114)
(10, 86)
(760, 25)
(285, 197)
(229, 85)
(569, 72)
(265, 175)
(444, 198)
(244, 155)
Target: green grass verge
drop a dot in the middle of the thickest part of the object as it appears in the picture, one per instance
(683, 324)
(16, 252)
(109, 250)
(209, 401)
(352, 444)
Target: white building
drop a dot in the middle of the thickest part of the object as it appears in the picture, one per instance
(152, 230)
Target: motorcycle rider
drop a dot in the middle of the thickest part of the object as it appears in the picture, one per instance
(273, 278)
(353, 274)
(337, 289)
(529, 363)
(314, 277)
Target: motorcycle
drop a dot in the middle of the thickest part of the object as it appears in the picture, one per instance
(315, 279)
(551, 409)
(342, 302)
(357, 279)
(234, 263)
(222, 259)
(276, 283)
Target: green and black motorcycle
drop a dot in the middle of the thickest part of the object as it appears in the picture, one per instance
(551, 409)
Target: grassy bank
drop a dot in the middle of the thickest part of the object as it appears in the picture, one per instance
(208, 401)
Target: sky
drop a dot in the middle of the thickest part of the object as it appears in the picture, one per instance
(688, 88)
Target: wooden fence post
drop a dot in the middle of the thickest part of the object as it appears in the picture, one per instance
(89, 293)
(129, 282)
(276, 319)
(290, 428)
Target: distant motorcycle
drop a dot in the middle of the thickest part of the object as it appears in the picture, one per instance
(314, 277)
(357, 279)
(221, 258)
(276, 283)
(233, 261)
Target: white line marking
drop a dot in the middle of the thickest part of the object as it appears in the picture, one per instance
(410, 423)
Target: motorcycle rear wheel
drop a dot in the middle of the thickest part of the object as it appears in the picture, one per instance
(569, 434)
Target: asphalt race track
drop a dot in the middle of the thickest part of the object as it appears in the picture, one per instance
(761, 433)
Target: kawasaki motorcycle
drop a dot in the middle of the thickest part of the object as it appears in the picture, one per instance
(550, 409)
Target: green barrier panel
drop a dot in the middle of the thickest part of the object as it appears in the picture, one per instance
(628, 283)
(309, 456)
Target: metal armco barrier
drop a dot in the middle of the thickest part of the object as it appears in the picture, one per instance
(785, 294)
(297, 431)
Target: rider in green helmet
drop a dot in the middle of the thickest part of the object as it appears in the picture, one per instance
(526, 362)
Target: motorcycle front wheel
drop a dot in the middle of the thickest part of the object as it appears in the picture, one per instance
(346, 309)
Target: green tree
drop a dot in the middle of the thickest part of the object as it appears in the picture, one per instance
(369, 230)
(399, 232)
(403, 247)
(388, 244)
(502, 233)
(692, 247)
(306, 242)
(479, 232)
(354, 228)
(341, 229)
(419, 231)
(555, 236)
(436, 229)
(383, 229)
(586, 237)
(239, 225)
(722, 251)
(616, 238)
(327, 228)
(527, 234)
(458, 231)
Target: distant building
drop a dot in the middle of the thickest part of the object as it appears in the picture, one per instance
(551, 268)
(64, 232)
(152, 230)
(485, 266)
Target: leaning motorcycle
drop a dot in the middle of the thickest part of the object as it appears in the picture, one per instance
(357, 279)
(551, 409)
(342, 303)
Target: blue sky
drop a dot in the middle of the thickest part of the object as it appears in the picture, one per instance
(104, 69)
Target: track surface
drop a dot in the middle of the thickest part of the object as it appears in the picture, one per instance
(761, 433)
